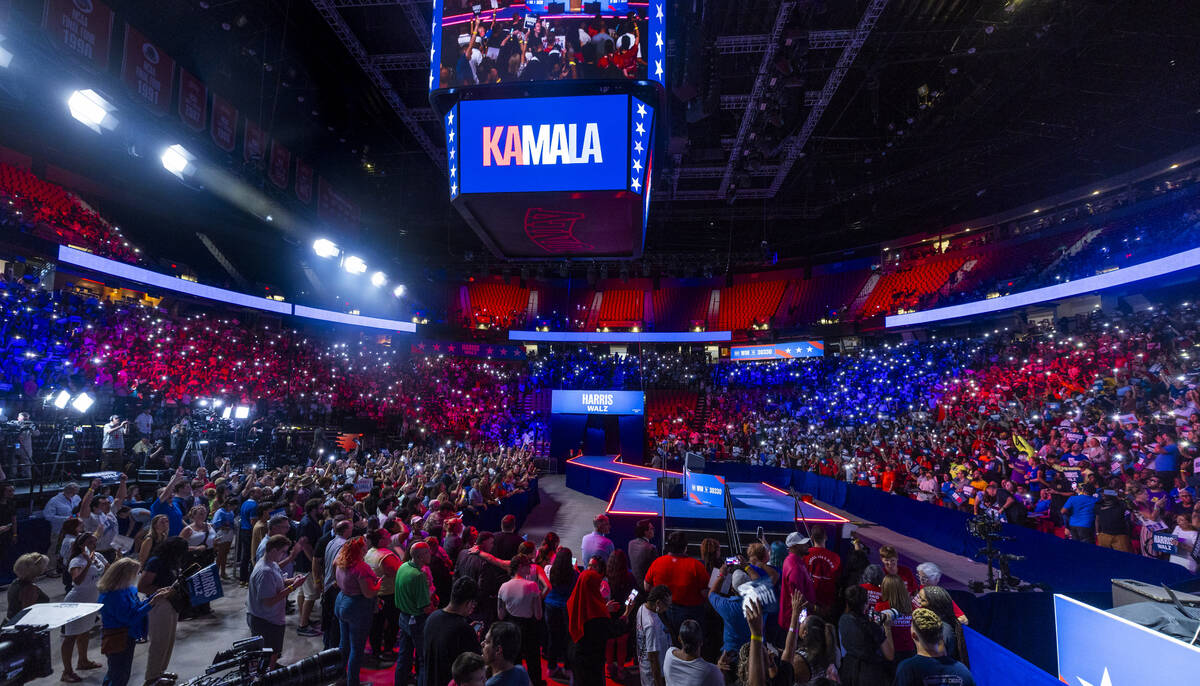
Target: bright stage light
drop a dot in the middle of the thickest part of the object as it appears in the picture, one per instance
(91, 110)
(354, 265)
(378, 279)
(177, 160)
(6, 56)
(227, 411)
(324, 247)
(61, 400)
(82, 403)
(398, 291)
(242, 412)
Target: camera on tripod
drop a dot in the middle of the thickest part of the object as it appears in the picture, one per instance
(24, 654)
(987, 526)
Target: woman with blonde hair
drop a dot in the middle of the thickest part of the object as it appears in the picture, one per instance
(894, 596)
(122, 617)
(156, 533)
(24, 592)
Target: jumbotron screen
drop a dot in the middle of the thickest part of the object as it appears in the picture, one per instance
(502, 42)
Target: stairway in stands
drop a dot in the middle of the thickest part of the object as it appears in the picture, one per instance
(701, 413)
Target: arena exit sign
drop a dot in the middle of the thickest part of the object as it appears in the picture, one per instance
(597, 402)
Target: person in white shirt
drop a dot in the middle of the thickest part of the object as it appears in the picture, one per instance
(144, 423)
(97, 515)
(114, 442)
(23, 456)
(684, 667)
(520, 602)
(58, 510)
(597, 543)
(653, 640)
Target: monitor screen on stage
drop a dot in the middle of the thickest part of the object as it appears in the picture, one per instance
(597, 402)
(482, 42)
(777, 351)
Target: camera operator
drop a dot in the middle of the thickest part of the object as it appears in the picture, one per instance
(23, 455)
(1112, 521)
(867, 644)
(113, 446)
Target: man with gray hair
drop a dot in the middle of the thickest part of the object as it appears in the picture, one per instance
(279, 525)
(58, 510)
(929, 574)
(597, 543)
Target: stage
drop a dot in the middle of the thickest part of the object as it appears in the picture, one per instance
(631, 493)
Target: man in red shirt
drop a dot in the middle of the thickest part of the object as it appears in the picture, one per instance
(824, 566)
(795, 577)
(891, 565)
(685, 576)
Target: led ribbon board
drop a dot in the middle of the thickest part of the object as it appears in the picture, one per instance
(778, 351)
(597, 402)
(540, 40)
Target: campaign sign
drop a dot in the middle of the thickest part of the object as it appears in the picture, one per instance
(1096, 648)
(706, 489)
(1165, 542)
(778, 351)
(205, 586)
(542, 144)
(597, 402)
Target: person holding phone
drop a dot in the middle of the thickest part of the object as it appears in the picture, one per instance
(266, 603)
(653, 641)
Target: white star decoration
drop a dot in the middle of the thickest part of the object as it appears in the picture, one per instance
(637, 128)
(451, 153)
(637, 165)
(451, 172)
(637, 186)
(658, 39)
(450, 119)
(1104, 680)
(658, 12)
(641, 110)
(637, 146)
(431, 79)
(431, 52)
(453, 189)
(451, 136)
(658, 67)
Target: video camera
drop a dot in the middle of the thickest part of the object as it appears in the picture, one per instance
(250, 659)
(24, 654)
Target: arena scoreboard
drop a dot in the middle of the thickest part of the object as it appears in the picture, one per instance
(549, 115)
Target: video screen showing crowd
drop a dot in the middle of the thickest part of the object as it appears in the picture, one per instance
(499, 41)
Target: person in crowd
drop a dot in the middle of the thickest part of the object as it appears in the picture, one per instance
(889, 558)
(824, 567)
(728, 605)
(167, 504)
(357, 588)
(618, 586)
(59, 509)
(85, 566)
(8, 518)
(938, 599)
(224, 525)
(332, 544)
(642, 551)
(308, 534)
(894, 598)
(685, 576)
(385, 623)
(448, 633)
(796, 577)
(200, 536)
(684, 666)
(930, 664)
(1079, 511)
(123, 617)
(70, 530)
(505, 543)
(520, 602)
(589, 626)
(156, 533)
(267, 598)
(501, 646)
(597, 542)
(161, 571)
(1187, 525)
(246, 516)
(414, 599)
(469, 669)
(809, 647)
(867, 645)
(651, 636)
(113, 445)
(562, 577)
(24, 591)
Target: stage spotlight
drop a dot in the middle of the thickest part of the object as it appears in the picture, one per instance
(6, 56)
(82, 403)
(242, 412)
(354, 265)
(217, 402)
(378, 279)
(226, 412)
(398, 291)
(91, 110)
(324, 247)
(177, 160)
(61, 400)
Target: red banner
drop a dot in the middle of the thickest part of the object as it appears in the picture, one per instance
(304, 177)
(281, 164)
(82, 28)
(193, 100)
(147, 71)
(254, 144)
(334, 207)
(224, 123)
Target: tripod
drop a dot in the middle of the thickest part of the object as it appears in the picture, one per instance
(192, 449)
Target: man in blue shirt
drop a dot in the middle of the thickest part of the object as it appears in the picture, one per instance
(1080, 513)
(165, 505)
(737, 631)
(246, 516)
(1166, 462)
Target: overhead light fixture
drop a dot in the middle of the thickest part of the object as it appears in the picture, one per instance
(82, 403)
(242, 412)
(91, 110)
(378, 279)
(398, 291)
(324, 247)
(226, 412)
(6, 57)
(354, 265)
(61, 400)
(177, 160)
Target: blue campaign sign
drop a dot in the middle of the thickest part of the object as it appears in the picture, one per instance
(1096, 648)
(597, 402)
(1165, 542)
(205, 586)
(778, 351)
(527, 145)
(705, 489)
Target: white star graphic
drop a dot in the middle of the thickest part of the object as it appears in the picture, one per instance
(637, 186)
(658, 67)
(1104, 680)
(453, 189)
(658, 12)
(641, 110)
(639, 128)
(637, 146)
(431, 52)
(452, 169)
(658, 39)
(431, 79)
(450, 119)
(451, 136)
(451, 153)
(637, 165)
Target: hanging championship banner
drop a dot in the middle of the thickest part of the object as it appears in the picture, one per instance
(147, 71)
(254, 144)
(82, 28)
(224, 123)
(193, 100)
(333, 206)
(281, 164)
(304, 178)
